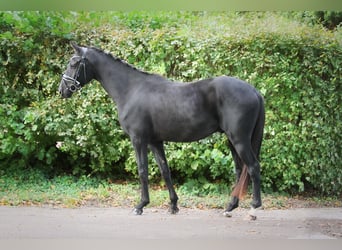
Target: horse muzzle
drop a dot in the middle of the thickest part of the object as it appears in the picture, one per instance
(64, 90)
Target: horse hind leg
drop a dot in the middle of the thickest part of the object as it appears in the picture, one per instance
(234, 203)
(246, 159)
(253, 168)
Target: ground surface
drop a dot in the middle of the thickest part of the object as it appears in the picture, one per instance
(120, 223)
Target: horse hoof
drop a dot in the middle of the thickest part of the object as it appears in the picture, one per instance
(250, 217)
(227, 214)
(137, 211)
(252, 213)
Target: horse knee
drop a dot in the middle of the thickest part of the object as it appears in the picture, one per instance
(143, 173)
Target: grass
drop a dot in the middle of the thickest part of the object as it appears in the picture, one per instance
(66, 191)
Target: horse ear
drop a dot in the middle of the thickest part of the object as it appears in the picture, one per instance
(77, 48)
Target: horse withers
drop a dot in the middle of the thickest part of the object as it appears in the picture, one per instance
(153, 109)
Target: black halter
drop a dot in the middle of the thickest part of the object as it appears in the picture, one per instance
(72, 83)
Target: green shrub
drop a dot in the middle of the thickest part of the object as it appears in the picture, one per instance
(295, 66)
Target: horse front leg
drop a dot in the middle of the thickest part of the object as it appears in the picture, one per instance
(142, 162)
(159, 154)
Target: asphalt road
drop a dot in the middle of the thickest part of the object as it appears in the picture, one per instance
(120, 223)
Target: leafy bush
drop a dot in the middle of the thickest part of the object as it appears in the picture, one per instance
(328, 19)
(295, 66)
(28, 74)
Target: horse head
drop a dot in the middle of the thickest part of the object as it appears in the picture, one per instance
(77, 74)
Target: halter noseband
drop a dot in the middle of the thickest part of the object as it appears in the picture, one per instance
(72, 83)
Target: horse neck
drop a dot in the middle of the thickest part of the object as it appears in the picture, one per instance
(115, 76)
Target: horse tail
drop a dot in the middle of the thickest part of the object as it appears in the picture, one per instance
(240, 189)
(259, 129)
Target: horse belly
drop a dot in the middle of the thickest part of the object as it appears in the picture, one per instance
(185, 130)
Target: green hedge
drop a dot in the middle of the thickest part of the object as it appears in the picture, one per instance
(295, 66)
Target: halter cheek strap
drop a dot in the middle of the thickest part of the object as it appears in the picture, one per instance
(72, 83)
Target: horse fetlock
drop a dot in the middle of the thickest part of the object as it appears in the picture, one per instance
(173, 209)
(256, 204)
(232, 205)
(138, 210)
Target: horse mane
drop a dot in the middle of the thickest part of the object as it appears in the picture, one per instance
(120, 60)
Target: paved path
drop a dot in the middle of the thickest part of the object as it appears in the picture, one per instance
(119, 223)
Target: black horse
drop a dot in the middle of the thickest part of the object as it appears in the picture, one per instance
(153, 109)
